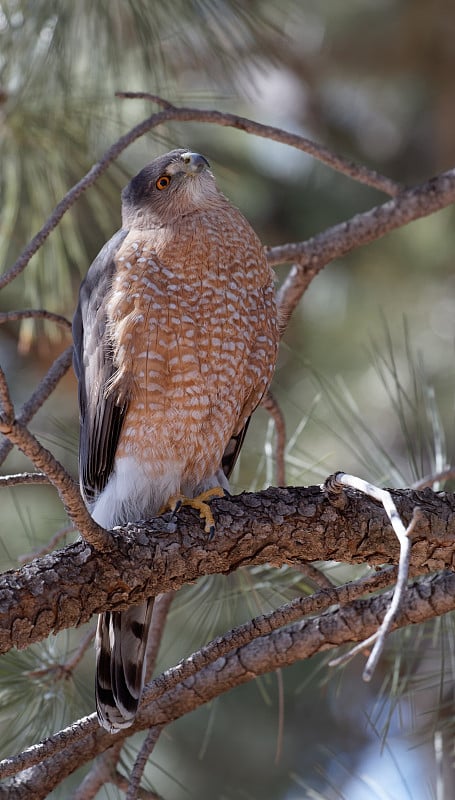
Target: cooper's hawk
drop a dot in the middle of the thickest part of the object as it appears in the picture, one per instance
(175, 341)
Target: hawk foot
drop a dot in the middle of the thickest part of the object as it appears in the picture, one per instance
(200, 503)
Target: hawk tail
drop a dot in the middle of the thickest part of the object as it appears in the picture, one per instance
(121, 644)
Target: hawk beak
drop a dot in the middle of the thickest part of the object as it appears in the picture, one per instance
(194, 163)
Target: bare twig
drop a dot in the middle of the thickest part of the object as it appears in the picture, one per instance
(311, 256)
(50, 545)
(280, 731)
(102, 771)
(171, 113)
(334, 485)
(154, 98)
(161, 609)
(123, 784)
(66, 669)
(68, 491)
(315, 575)
(435, 477)
(34, 313)
(293, 288)
(141, 761)
(357, 172)
(44, 389)
(23, 478)
(6, 406)
(80, 652)
(271, 405)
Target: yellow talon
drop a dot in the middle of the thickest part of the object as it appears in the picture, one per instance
(199, 503)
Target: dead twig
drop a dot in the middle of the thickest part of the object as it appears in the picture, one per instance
(171, 113)
(161, 608)
(23, 478)
(68, 490)
(50, 545)
(6, 406)
(34, 313)
(103, 770)
(436, 477)
(314, 574)
(311, 256)
(141, 761)
(123, 784)
(357, 172)
(65, 670)
(334, 485)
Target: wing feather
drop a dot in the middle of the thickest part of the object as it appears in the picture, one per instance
(101, 418)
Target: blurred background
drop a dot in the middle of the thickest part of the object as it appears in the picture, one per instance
(365, 375)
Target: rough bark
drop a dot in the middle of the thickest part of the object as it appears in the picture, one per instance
(48, 764)
(276, 526)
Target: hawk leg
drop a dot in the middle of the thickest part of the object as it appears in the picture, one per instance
(200, 503)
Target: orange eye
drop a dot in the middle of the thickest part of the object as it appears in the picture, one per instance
(163, 182)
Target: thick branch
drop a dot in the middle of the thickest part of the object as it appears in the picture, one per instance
(276, 526)
(220, 647)
(85, 739)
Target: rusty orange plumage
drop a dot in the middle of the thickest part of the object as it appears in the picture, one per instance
(176, 338)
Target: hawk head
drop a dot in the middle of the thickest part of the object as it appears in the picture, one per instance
(171, 186)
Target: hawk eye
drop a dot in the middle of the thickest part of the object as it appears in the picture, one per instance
(162, 182)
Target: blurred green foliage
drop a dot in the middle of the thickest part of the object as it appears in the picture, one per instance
(365, 375)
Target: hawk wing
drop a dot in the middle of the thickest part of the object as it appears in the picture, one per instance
(101, 419)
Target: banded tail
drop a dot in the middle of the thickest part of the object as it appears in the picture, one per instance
(121, 645)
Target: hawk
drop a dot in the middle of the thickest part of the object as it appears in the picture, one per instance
(175, 343)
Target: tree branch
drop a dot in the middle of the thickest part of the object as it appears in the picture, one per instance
(85, 739)
(276, 526)
(34, 313)
(243, 634)
(169, 114)
(50, 545)
(311, 256)
(357, 172)
(68, 491)
(24, 478)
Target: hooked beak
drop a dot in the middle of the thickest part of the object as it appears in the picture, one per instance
(194, 163)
